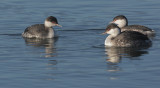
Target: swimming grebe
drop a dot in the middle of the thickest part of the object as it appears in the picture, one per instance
(122, 22)
(126, 38)
(41, 30)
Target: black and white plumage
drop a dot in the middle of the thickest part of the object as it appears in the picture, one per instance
(126, 38)
(122, 22)
(41, 30)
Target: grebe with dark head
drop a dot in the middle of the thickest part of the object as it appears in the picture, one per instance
(122, 22)
(42, 30)
(117, 38)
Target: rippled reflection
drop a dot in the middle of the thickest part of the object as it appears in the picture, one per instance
(115, 54)
(48, 44)
(115, 57)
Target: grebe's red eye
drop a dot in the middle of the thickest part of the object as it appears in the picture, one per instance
(108, 29)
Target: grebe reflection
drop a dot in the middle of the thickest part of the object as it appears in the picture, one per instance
(48, 44)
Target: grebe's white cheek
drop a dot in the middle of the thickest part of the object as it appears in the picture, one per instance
(111, 31)
(114, 32)
(49, 24)
(120, 23)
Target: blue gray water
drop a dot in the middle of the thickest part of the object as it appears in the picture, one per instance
(77, 58)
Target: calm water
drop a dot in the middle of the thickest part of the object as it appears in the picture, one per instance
(77, 58)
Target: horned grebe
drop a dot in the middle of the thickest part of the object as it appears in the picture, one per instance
(41, 30)
(122, 22)
(126, 38)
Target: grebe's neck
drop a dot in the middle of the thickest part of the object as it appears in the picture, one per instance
(113, 33)
(108, 41)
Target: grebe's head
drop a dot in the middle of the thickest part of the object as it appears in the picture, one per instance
(51, 21)
(120, 20)
(112, 29)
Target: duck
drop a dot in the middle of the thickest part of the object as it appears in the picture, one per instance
(42, 30)
(117, 38)
(122, 23)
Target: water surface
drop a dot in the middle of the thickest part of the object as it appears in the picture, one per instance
(77, 58)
